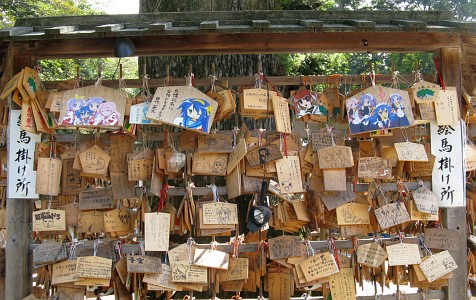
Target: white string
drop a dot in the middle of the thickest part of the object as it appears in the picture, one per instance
(190, 243)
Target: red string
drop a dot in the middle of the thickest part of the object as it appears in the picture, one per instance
(269, 82)
(285, 144)
(435, 61)
(163, 196)
(166, 143)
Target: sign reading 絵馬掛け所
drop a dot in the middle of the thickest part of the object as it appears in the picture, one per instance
(21, 177)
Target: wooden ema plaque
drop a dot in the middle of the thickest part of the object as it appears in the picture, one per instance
(318, 266)
(438, 265)
(441, 238)
(211, 258)
(221, 142)
(49, 220)
(157, 228)
(48, 176)
(93, 106)
(93, 267)
(335, 157)
(143, 264)
(286, 246)
(392, 214)
(184, 272)
(94, 161)
(402, 254)
(64, 272)
(220, 213)
(183, 106)
(236, 156)
(214, 164)
(408, 151)
(353, 214)
(447, 107)
(289, 175)
(374, 168)
(91, 221)
(237, 270)
(95, 199)
(162, 280)
(257, 102)
(342, 284)
(371, 254)
(49, 252)
(281, 114)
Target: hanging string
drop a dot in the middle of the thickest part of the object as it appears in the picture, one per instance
(72, 250)
(283, 137)
(163, 196)
(372, 78)
(190, 244)
(310, 250)
(332, 247)
(235, 133)
(95, 247)
(437, 67)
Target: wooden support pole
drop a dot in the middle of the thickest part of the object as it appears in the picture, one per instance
(18, 275)
(455, 217)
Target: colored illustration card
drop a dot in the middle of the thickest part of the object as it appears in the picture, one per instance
(183, 106)
(378, 108)
(310, 105)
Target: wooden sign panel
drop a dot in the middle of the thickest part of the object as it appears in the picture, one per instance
(324, 139)
(120, 146)
(94, 161)
(220, 213)
(336, 157)
(425, 92)
(233, 183)
(95, 199)
(143, 264)
(442, 238)
(408, 151)
(93, 282)
(93, 106)
(211, 258)
(392, 214)
(438, 265)
(447, 107)
(157, 228)
(184, 272)
(163, 280)
(138, 114)
(403, 254)
(237, 270)
(335, 180)
(49, 220)
(286, 246)
(183, 106)
(342, 284)
(281, 114)
(333, 199)
(31, 82)
(209, 163)
(72, 182)
(91, 221)
(347, 231)
(48, 176)
(371, 254)
(179, 253)
(72, 213)
(374, 168)
(289, 175)
(121, 187)
(310, 105)
(220, 142)
(49, 252)
(318, 266)
(353, 213)
(139, 169)
(257, 100)
(377, 108)
(93, 267)
(117, 220)
(425, 200)
(64, 272)
(236, 156)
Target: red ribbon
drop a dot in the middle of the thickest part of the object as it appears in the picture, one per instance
(285, 144)
(435, 61)
(163, 196)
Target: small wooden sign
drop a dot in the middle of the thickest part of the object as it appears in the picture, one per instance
(347, 231)
(93, 282)
(117, 220)
(95, 199)
(342, 284)
(94, 161)
(335, 180)
(179, 253)
(281, 114)
(318, 266)
(416, 215)
(211, 258)
(286, 246)
(251, 184)
(236, 156)
(157, 228)
(143, 264)
(408, 151)
(121, 187)
(289, 175)
(184, 272)
(91, 221)
(425, 200)
(237, 270)
(371, 254)
(49, 220)
(353, 213)
(72, 182)
(392, 214)
(333, 199)
(438, 265)
(10, 86)
(48, 176)
(442, 238)
(374, 168)
(220, 142)
(49, 252)
(233, 182)
(183, 106)
(214, 164)
(120, 146)
(324, 139)
(163, 280)
(31, 82)
(425, 92)
(64, 272)
(138, 112)
(139, 169)
(72, 213)
(220, 213)
(93, 267)
(447, 107)
(402, 254)
(336, 157)
(257, 100)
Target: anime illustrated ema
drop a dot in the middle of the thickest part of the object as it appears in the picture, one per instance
(93, 111)
(307, 103)
(376, 110)
(194, 114)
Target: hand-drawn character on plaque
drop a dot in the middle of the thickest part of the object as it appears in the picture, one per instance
(398, 107)
(286, 184)
(83, 115)
(448, 263)
(93, 104)
(366, 107)
(73, 105)
(224, 215)
(263, 153)
(107, 114)
(308, 105)
(353, 114)
(382, 117)
(218, 165)
(48, 220)
(195, 114)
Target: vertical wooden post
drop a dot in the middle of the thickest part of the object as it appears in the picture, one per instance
(455, 217)
(18, 277)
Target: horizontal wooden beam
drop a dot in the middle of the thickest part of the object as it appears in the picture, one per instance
(245, 43)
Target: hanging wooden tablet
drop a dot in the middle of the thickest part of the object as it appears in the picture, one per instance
(91, 221)
(281, 114)
(214, 164)
(408, 151)
(220, 213)
(93, 267)
(438, 265)
(333, 199)
(143, 264)
(49, 220)
(10, 86)
(48, 176)
(425, 200)
(318, 266)
(24, 94)
(64, 272)
(442, 238)
(447, 107)
(286, 246)
(237, 270)
(392, 214)
(139, 169)
(138, 112)
(335, 180)
(27, 118)
(72, 213)
(371, 254)
(236, 156)
(93, 282)
(95, 199)
(49, 252)
(342, 284)
(220, 142)
(229, 106)
(377, 108)
(157, 228)
(353, 213)
(310, 106)
(43, 123)
(211, 258)
(31, 82)
(118, 220)
(374, 168)
(94, 161)
(163, 280)
(120, 146)
(257, 102)
(183, 106)
(416, 215)
(335, 157)
(402, 254)
(184, 272)
(72, 183)
(233, 182)
(425, 92)
(93, 106)
(53, 102)
(289, 175)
